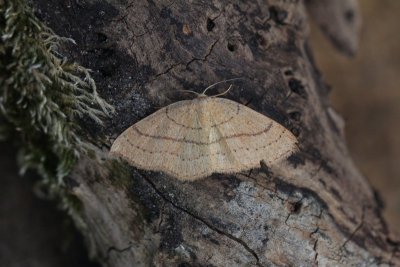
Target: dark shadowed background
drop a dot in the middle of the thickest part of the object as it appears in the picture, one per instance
(365, 92)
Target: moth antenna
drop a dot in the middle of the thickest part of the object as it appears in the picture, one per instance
(188, 91)
(223, 93)
(224, 81)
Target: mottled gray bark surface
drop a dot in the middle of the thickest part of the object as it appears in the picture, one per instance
(313, 209)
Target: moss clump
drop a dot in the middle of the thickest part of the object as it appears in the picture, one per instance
(43, 96)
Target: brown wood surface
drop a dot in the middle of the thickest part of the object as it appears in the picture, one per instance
(317, 209)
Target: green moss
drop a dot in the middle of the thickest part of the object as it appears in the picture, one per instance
(42, 97)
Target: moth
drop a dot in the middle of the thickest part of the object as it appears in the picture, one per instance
(192, 139)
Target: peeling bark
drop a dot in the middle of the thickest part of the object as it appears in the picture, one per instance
(313, 209)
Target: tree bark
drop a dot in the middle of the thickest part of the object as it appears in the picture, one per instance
(313, 209)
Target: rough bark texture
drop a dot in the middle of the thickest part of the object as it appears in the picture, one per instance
(314, 209)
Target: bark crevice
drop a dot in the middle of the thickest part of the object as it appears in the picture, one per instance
(203, 221)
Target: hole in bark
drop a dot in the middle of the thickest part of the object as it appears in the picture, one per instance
(296, 87)
(288, 73)
(101, 37)
(278, 15)
(210, 24)
(231, 47)
(296, 207)
(349, 16)
(295, 115)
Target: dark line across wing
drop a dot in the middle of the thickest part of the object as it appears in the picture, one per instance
(203, 155)
(183, 140)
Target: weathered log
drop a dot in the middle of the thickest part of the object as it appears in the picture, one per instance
(313, 209)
